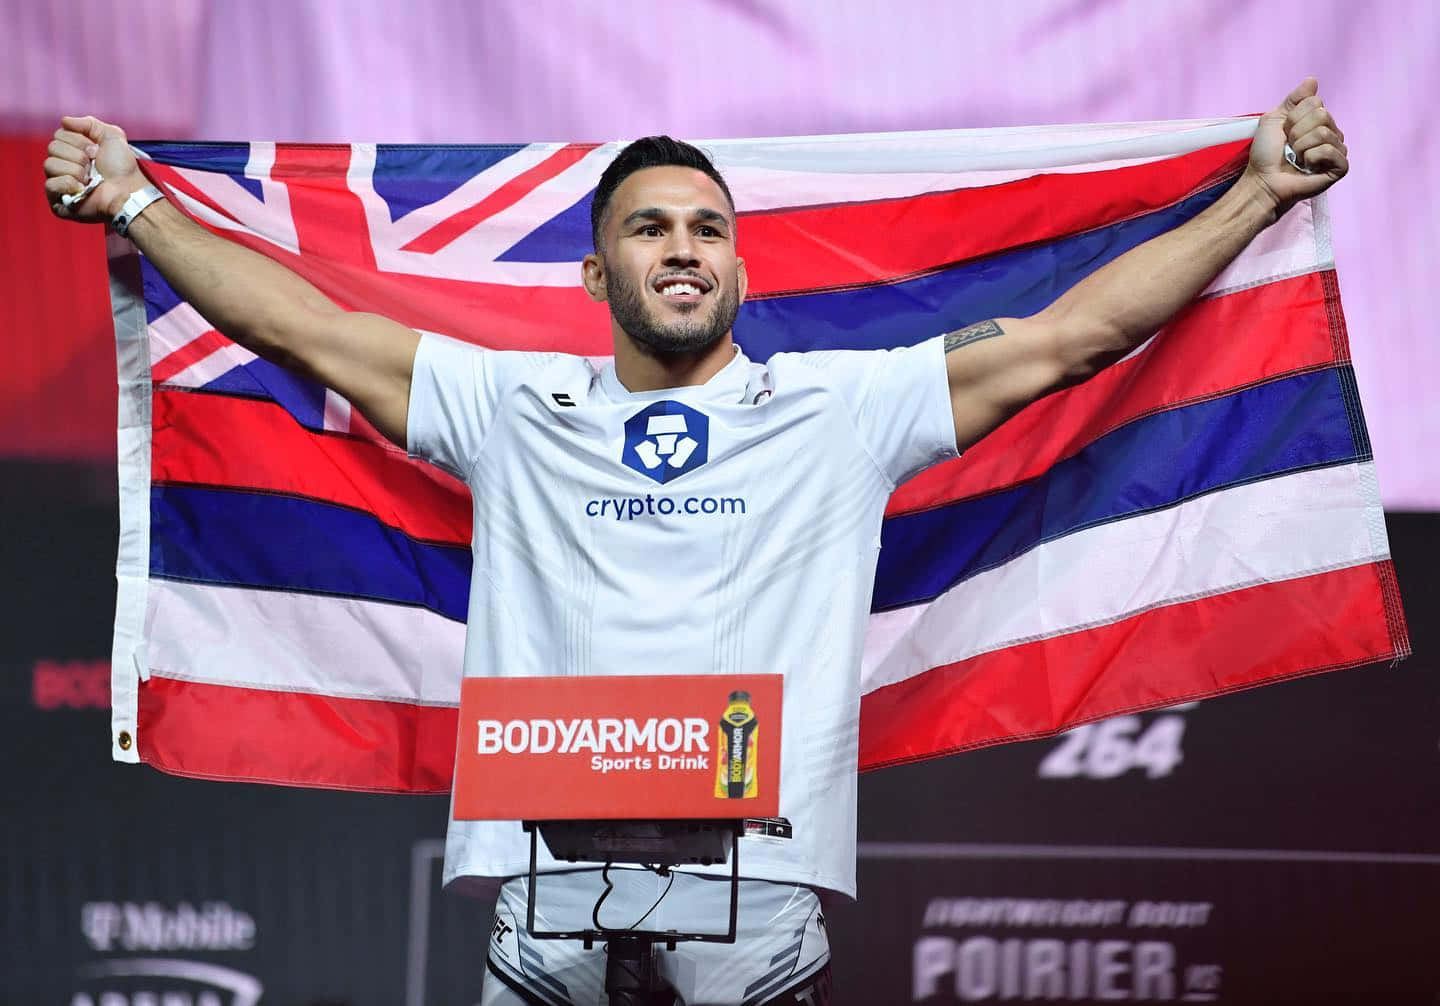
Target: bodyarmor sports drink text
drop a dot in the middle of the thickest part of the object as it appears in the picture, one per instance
(735, 772)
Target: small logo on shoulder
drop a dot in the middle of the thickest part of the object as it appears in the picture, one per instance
(562, 398)
(665, 440)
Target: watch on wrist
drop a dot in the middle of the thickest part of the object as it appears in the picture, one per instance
(133, 207)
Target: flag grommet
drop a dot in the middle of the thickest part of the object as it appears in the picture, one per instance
(124, 740)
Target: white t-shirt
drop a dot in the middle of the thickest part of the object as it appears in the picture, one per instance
(731, 527)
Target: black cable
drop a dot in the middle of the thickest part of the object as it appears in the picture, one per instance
(605, 876)
(652, 908)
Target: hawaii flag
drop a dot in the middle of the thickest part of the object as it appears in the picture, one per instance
(1199, 518)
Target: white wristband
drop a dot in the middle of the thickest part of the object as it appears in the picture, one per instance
(134, 206)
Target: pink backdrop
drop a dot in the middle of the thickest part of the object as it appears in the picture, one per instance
(447, 70)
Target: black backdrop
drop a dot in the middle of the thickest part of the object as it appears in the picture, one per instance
(1281, 845)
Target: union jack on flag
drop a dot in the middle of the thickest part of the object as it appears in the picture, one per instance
(1201, 517)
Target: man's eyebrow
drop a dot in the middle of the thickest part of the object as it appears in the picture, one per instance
(656, 213)
(705, 213)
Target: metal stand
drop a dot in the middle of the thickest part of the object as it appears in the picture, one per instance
(630, 975)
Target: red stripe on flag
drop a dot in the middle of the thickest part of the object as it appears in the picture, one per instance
(804, 249)
(504, 197)
(1215, 346)
(1230, 641)
(1235, 640)
(295, 738)
(329, 219)
(1286, 322)
(194, 438)
(540, 319)
(167, 177)
(191, 353)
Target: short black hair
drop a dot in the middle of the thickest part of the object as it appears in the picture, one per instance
(649, 152)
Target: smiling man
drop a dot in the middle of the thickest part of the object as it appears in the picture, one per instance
(684, 508)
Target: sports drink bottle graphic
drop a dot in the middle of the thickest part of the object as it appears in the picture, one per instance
(736, 776)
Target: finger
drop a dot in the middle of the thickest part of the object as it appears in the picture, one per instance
(62, 185)
(56, 189)
(1327, 121)
(66, 151)
(1316, 119)
(57, 166)
(1319, 136)
(97, 131)
(73, 138)
(1304, 109)
(1305, 89)
(1326, 158)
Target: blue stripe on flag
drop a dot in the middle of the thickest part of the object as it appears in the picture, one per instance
(1012, 284)
(565, 237)
(228, 158)
(279, 542)
(1287, 425)
(409, 177)
(1008, 285)
(160, 296)
(303, 398)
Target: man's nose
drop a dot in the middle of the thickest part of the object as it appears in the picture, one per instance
(680, 248)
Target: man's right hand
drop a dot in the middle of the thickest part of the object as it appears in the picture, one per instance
(79, 141)
(248, 297)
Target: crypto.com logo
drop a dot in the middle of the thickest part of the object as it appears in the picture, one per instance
(665, 440)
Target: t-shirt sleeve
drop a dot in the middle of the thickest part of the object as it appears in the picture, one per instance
(453, 401)
(900, 401)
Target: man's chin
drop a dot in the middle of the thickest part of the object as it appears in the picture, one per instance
(661, 342)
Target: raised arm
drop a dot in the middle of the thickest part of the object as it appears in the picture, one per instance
(247, 297)
(997, 367)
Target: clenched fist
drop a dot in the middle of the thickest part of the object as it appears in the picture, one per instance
(78, 142)
(1302, 121)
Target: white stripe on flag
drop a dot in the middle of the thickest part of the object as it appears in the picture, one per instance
(775, 188)
(1030, 148)
(271, 220)
(206, 369)
(1289, 247)
(288, 642)
(175, 329)
(1267, 531)
(337, 412)
(764, 179)
(272, 217)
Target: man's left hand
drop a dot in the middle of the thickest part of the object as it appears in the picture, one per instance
(1303, 121)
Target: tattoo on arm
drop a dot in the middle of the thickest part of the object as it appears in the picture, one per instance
(977, 332)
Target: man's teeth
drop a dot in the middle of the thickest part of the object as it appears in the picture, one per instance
(675, 288)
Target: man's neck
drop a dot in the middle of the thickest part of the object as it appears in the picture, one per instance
(639, 370)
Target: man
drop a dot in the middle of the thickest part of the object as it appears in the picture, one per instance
(751, 493)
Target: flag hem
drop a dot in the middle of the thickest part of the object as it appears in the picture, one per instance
(128, 664)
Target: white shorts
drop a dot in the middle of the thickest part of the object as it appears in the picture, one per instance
(781, 953)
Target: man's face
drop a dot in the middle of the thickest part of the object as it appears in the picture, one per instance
(667, 265)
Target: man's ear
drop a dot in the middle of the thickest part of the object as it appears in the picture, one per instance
(592, 274)
(743, 277)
